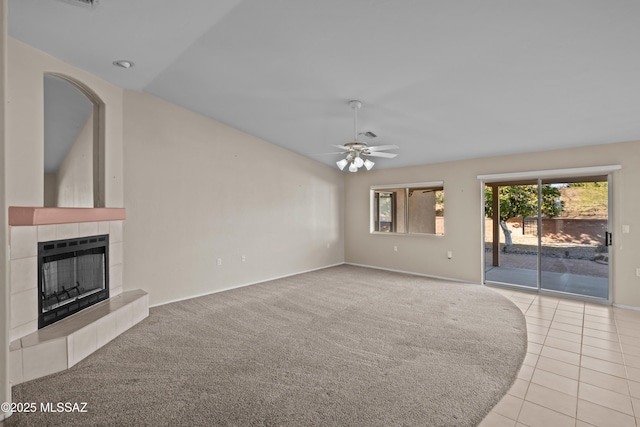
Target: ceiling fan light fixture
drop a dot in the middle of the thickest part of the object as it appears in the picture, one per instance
(368, 164)
(357, 151)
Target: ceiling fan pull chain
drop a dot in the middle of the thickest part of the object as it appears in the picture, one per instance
(356, 106)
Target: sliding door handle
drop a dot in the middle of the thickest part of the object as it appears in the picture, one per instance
(607, 238)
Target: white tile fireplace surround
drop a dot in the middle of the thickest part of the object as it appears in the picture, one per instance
(77, 336)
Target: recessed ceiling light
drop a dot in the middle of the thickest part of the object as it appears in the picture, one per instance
(122, 63)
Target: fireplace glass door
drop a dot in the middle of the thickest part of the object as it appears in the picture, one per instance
(73, 275)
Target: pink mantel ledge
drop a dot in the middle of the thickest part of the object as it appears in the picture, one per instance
(25, 215)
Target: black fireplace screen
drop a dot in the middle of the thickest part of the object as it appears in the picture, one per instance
(73, 275)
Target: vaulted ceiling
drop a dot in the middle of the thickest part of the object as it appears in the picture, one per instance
(444, 80)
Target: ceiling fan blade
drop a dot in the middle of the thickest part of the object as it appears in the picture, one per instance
(342, 147)
(382, 147)
(377, 154)
(326, 154)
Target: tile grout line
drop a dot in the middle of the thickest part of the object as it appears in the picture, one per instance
(575, 416)
(528, 382)
(583, 327)
(626, 371)
(576, 419)
(524, 399)
(526, 391)
(579, 367)
(627, 380)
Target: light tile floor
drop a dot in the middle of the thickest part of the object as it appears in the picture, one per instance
(582, 366)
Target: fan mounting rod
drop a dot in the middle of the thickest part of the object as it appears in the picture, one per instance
(356, 105)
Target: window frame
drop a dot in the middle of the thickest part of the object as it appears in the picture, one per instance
(374, 203)
(393, 222)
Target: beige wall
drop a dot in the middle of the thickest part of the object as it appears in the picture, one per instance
(74, 180)
(463, 214)
(197, 190)
(25, 130)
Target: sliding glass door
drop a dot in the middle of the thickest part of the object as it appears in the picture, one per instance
(549, 234)
(511, 230)
(574, 247)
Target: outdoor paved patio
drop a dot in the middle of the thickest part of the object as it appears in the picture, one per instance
(576, 276)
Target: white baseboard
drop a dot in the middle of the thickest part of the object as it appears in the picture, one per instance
(242, 285)
(628, 307)
(431, 276)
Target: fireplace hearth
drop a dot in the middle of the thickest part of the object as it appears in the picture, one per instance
(73, 274)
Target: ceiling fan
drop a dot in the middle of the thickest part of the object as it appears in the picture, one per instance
(357, 151)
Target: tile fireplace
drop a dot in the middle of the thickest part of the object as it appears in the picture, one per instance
(61, 258)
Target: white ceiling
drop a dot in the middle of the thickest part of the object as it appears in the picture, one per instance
(444, 80)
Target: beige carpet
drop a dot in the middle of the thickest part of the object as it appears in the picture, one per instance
(343, 346)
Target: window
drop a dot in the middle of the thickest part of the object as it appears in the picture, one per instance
(408, 208)
(385, 212)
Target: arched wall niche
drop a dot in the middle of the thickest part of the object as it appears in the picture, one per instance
(74, 143)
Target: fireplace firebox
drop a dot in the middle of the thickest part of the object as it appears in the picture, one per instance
(73, 274)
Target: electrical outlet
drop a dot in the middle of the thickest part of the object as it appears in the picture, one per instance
(395, 249)
(219, 262)
(626, 229)
(244, 258)
(449, 254)
(638, 272)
